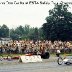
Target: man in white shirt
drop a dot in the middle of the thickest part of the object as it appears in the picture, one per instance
(58, 53)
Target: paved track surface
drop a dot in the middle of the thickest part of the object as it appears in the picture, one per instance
(35, 67)
(48, 65)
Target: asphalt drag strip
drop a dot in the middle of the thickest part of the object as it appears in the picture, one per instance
(36, 67)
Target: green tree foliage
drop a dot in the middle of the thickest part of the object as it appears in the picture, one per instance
(26, 29)
(13, 34)
(19, 30)
(41, 34)
(4, 31)
(31, 33)
(25, 32)
(35, 34)
(59, 23)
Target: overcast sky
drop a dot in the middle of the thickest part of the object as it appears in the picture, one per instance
(34, 15)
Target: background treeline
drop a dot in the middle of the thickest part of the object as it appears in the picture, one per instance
(21, 32)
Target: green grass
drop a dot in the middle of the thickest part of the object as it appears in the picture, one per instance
(69, 54)
(13, 55)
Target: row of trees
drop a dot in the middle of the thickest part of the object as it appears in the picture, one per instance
(58, 26)
(26, 32)
(21, 32)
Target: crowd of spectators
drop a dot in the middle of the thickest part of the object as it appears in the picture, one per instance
(36, 47)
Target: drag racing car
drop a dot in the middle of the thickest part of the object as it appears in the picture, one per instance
(67, 60)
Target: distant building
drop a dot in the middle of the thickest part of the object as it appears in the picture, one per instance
(5, 40)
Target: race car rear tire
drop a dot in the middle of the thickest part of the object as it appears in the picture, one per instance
(46, 55)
